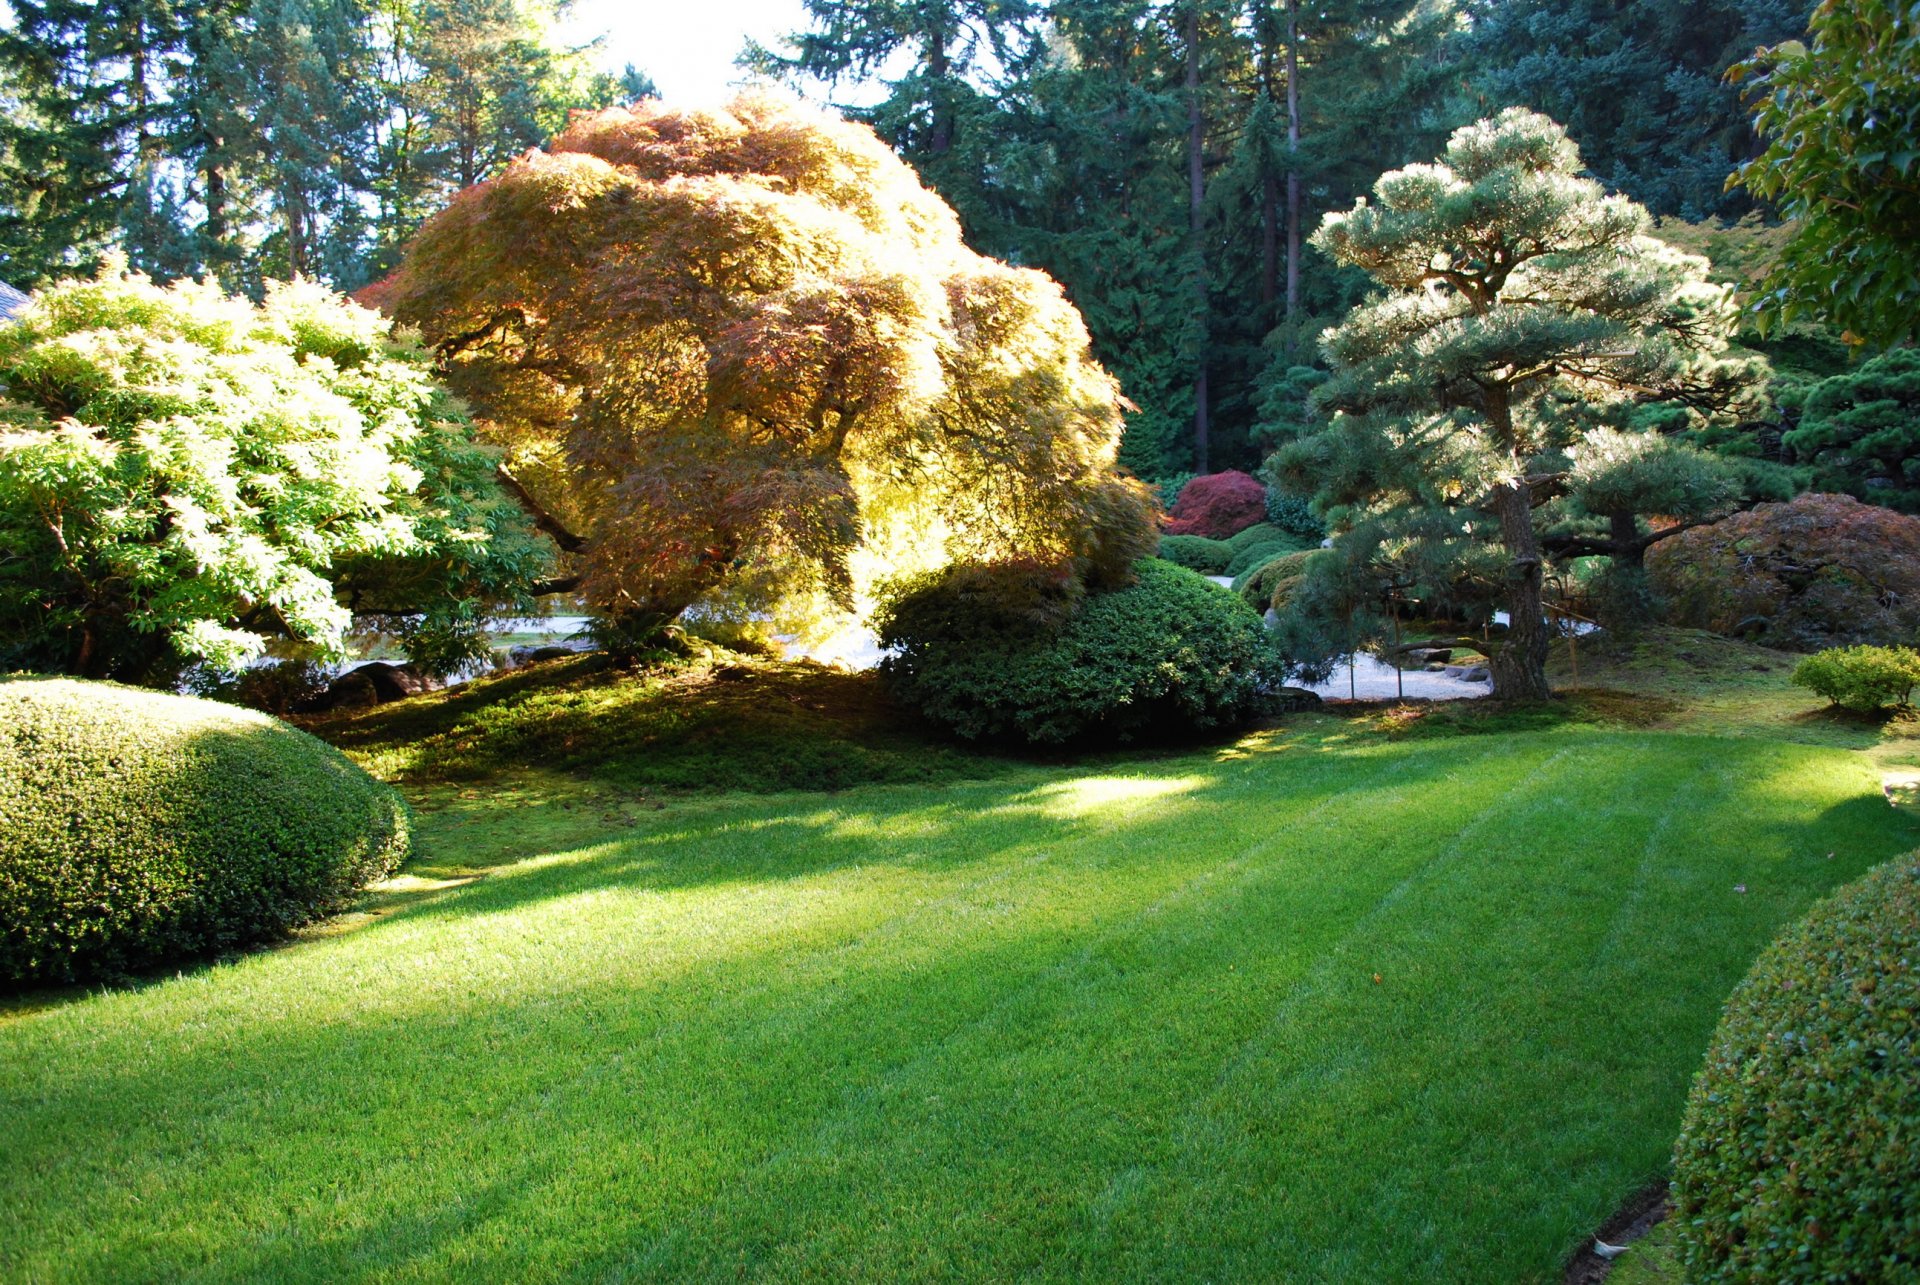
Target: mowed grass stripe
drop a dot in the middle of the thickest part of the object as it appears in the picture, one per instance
(1057, 1028)
(960, 1032)
(524, 1053)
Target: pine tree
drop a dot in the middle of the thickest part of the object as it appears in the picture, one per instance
(1517, 293)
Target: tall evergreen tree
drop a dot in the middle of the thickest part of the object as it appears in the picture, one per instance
(87, 115)
(1639, 86)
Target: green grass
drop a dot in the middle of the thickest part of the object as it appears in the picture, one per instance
(732, 723)
(1652, 1260)
(1098, 1023)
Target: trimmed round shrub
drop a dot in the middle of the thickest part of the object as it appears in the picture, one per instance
(1254, 557)
(1272, 586)
(1258, 533)
(139, 828)
(1197, 553)
(1165, 656)
(1218, 505)
(1799, 1156)
(1862, 678)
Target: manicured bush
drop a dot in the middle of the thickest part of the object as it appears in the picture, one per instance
(139, 828)
(1271, 586)
(1258, 533)
(1164, 656)
(1197, 553)
(1799, 1156)
(1817, 571)
(1218, 505)
(1862, 678)
(1253, 557)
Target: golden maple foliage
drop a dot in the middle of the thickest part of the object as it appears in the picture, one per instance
(739, 346)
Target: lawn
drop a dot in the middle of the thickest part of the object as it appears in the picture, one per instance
(1321, 1006)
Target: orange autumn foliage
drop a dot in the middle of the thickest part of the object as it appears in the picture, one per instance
(743, 342)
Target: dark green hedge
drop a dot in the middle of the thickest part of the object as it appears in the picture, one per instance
(139, 828)
(1197, 553)
(1799, 1158)
(1163, 657)
(1255, 556)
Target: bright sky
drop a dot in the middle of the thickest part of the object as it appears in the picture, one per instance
(687, 46)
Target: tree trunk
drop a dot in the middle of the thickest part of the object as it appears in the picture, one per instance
(1520, 666)
(1293, 163)
(941, 106)
(1196, 193)
(1629, 550)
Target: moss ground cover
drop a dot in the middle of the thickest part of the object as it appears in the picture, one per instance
(1118, 1021)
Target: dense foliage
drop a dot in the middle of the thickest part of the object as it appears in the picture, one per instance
(1639, 86)
(1002, 654)
(1797, 1157)
(1860, 431)
(1817, 571)
(1518, 295)
(138, 828)
(1197, 553)
(188, 477)
(738, 347)
(1218, 505)
(262, 139)
(1841, 116)
(1862, 678)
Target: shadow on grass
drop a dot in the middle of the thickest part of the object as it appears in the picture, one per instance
(964, 1066)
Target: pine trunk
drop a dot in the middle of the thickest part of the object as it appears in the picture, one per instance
(1196, 195)
(1520, 665)
(941, 107)
(1293, 162)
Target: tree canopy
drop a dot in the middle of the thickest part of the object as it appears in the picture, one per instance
(1517, 296)
(737, 347)
(1841, 117)
(189, 477)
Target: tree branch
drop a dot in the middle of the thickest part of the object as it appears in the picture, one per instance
(554, 528)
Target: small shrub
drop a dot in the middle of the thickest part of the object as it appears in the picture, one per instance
(1165, 656)
(1862, 678)
(1197, 553)
(1280, 577)
(280, 687)
(1218, 505)
(1258, 533)
(1255, 556)
(139, 828)
(1167, 490)
(1291, 513)
(1799, 1156)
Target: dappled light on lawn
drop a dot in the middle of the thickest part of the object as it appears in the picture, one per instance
(1060, 1023)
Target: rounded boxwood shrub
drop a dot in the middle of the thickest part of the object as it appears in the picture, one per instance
(1271, 586)
(1862, 678)
(139, 828)
(1197, 553)
(1799, 1156)
(1253, 557)
(1164, 656)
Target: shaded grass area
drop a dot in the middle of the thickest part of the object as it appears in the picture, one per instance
(1317, 1007)
(736, 724)
(1680, 680)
